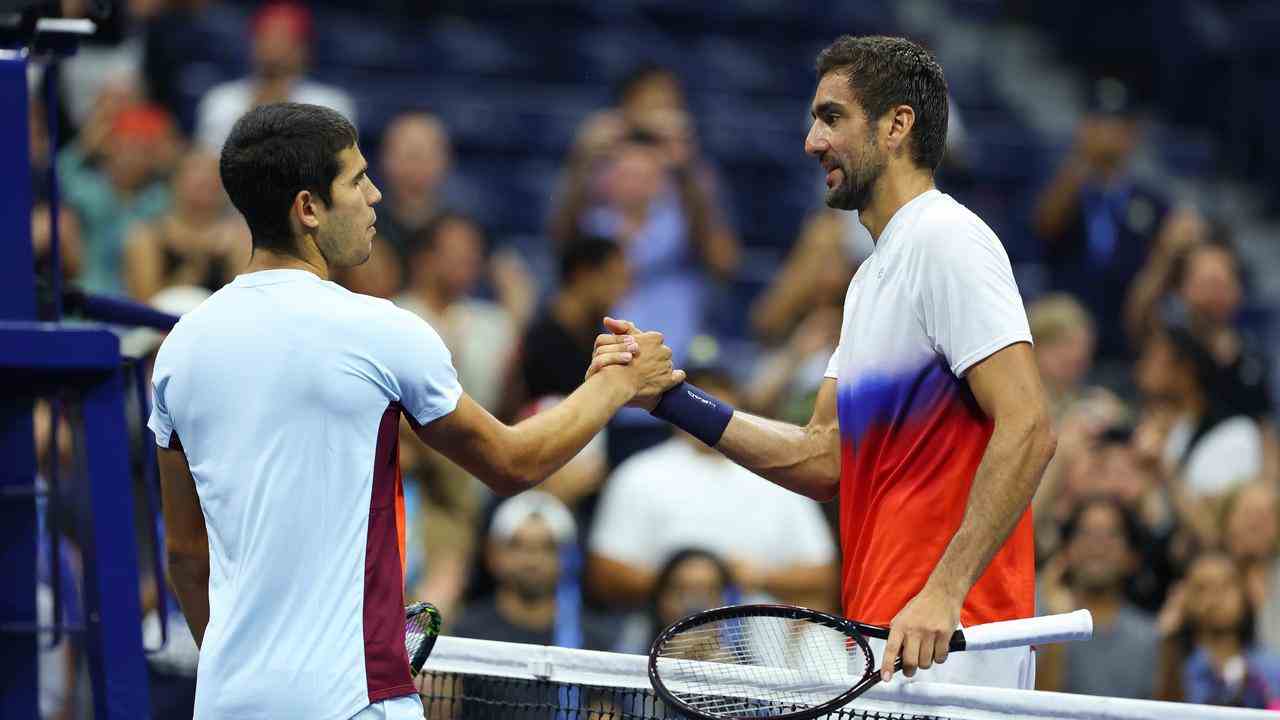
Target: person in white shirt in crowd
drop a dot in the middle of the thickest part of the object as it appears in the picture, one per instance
(282, 32)
(682, 494)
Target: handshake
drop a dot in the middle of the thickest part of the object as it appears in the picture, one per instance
(637, 359)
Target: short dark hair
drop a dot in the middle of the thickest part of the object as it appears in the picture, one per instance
(888, 71)
(276, 151)
(586, 252)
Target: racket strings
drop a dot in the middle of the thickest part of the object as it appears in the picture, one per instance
(760, 666)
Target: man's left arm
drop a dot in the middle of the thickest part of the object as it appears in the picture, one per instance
(1008, 389)
(186, 539)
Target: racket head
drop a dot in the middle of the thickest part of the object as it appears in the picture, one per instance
(421, 628)
(761, 661)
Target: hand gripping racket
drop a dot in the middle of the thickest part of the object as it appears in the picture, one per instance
(421, 628)
(793, 663)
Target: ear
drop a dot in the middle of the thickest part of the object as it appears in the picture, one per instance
(900, 119)
(307, 209)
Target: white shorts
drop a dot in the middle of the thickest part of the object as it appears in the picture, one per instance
(1008, 667)
(407, 707)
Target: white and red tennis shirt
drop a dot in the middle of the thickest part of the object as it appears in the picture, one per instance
(285, 392)
(935, 297)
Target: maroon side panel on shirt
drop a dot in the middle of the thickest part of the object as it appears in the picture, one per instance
(386, 661)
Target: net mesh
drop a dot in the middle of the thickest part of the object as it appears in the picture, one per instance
(452, 696)
(760, 666)
(484, 679)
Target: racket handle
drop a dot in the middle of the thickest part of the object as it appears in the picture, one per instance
(1065, 627)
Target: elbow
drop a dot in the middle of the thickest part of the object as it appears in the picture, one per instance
(1044, 438)
(826, 489)
(508, 481)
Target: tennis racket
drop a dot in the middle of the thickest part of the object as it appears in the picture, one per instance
(421, 628)
(793, 663)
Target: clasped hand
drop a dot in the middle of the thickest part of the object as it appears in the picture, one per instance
(641, 356)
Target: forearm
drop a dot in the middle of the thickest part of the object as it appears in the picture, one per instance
(613, 581)
(542, 444)
(189, 578)
(1059, 201)
(1003, 486)
(804, 460)
(801, 580)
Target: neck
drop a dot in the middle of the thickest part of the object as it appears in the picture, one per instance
(538, 614)
(892, 191)
(1222, 645)
(1103, 604)
(310, 260)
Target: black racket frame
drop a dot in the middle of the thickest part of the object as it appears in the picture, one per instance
(856, 631)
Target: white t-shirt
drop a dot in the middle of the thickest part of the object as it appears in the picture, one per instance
(285, 393)
(1226, 456)
(672, 496)
(223, 105)
(936, 297)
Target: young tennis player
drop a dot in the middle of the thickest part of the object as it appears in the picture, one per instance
(932, 425)
(277, 406)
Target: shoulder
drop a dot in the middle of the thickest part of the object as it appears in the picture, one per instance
(947, 227)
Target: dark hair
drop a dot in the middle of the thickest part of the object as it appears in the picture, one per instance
(424, 239)
(630, 82)
(585, 252)
(673, 563)
(276, 151)
(1133, 533)
(888, 71)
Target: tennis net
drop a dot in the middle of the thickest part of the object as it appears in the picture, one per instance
(486, 680)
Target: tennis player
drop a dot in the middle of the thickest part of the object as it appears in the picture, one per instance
(932, 424)
(277, 405)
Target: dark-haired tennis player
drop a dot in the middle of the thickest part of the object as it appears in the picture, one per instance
(932, 423)
(277, 405)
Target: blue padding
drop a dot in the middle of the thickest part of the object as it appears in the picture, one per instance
(47, 349)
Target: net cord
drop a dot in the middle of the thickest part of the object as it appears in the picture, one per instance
(960, 702)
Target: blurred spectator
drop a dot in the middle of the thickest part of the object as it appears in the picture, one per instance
(1209, 444)
(446, 263)
(1202, 276)
(415, 162)
(799, 314)
(635, 175)
(1100, 543)
(1097, 222)
(537, 599)
(683, 494)
(1251, 535)
(70, 246)
(1064, 341)
(282, 33)
(1209, 652)
(58, 664)
(557, 346)
(132, 147)
(816, 272)
(690, 581)
(196, 243)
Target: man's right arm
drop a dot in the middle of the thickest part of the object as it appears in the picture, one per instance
(804, 460)
(512, 458)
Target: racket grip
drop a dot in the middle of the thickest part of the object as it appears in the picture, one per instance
(1065, 627)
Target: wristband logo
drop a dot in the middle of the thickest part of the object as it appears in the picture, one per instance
(699, 398)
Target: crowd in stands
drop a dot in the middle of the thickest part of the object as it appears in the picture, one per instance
(1160, 512)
